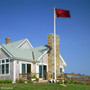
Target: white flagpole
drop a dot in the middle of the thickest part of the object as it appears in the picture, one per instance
(55, 43)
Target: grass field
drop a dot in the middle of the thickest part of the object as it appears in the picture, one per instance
(43, 86)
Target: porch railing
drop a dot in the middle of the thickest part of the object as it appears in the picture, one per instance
(28, 76)
(69, 76)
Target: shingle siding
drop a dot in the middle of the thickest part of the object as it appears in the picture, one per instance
(3, 54)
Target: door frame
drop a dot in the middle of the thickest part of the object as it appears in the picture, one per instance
(44, 64)
(23, 62)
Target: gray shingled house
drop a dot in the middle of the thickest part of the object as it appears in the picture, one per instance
(21, 57)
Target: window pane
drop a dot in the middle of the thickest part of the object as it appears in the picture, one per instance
(7, 60)
(40, 71)
(7, 68)
(3, 61)
(3, 69)
(60, 70)
(23, 68)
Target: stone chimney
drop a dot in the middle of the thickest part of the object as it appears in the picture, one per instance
(7, 40)
(50, 43)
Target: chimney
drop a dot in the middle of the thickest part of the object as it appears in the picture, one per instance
(51, 54)
(7, 40)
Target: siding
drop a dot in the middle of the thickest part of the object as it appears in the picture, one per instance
(3, 54)
(25, 46)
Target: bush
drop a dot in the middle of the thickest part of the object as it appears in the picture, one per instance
(33, 77)
(59, 82)
(28, 81)
(5, 81)
(66, 82)
(19, 81)
(69, 82)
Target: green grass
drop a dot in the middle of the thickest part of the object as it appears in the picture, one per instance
(43, 86)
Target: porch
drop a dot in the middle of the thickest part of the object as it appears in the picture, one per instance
(60, 76)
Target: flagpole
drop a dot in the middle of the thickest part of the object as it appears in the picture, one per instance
(55, 43)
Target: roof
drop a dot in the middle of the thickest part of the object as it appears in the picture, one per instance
(13, 44)
(24, 53)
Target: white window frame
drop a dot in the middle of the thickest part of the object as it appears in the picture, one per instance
(5, 64)
(24, 62)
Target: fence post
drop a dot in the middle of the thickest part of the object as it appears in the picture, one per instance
(63, 75)
(74, 77)
(83, 77)
(19, 76)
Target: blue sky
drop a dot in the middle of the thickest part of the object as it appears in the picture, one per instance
(34, 19)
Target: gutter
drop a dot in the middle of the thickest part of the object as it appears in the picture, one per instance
(23, 59)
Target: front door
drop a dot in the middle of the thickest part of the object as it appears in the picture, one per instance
(43, 73)
(28, 68)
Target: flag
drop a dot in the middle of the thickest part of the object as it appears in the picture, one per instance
(62, 13)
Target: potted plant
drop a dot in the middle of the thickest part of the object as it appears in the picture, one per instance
(37, 79)
(33, 78)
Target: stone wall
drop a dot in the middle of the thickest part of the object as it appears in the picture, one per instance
(51, 54)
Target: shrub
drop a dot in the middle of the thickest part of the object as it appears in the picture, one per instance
(72, 82)
(66, 82)
(5, 81)
(33, 77)
(28, 81)
(19, 81)
(59, 82)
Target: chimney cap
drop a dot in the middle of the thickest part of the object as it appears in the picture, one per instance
(7, 40)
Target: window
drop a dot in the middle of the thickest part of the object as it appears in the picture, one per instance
(40, 71)
(4, 66)
(23, 68)
(60, 70)
(7, 60)
(7, 68)
(3, 61)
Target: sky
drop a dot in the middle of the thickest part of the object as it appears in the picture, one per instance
(34, 19)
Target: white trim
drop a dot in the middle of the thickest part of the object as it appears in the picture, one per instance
(0, 46)
(29, 43)
(42, 55)
(44, 64)
(14, 70)
(24, 62)
(6, 51)
(64, 63)
(62, 68)
(24, 42)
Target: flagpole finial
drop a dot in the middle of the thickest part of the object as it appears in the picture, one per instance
(54, 7)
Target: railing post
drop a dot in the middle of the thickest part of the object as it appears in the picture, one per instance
(83, 77)
(74, 77)
(63, 75)
(19, 76)
(31, 74)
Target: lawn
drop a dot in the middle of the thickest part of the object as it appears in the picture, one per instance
(42, 86)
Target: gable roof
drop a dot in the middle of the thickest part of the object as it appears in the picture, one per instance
(24, 53)
(64, 63)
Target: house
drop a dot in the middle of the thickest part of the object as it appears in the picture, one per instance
(21, 57)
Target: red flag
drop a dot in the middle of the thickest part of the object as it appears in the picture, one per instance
(62, 13)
